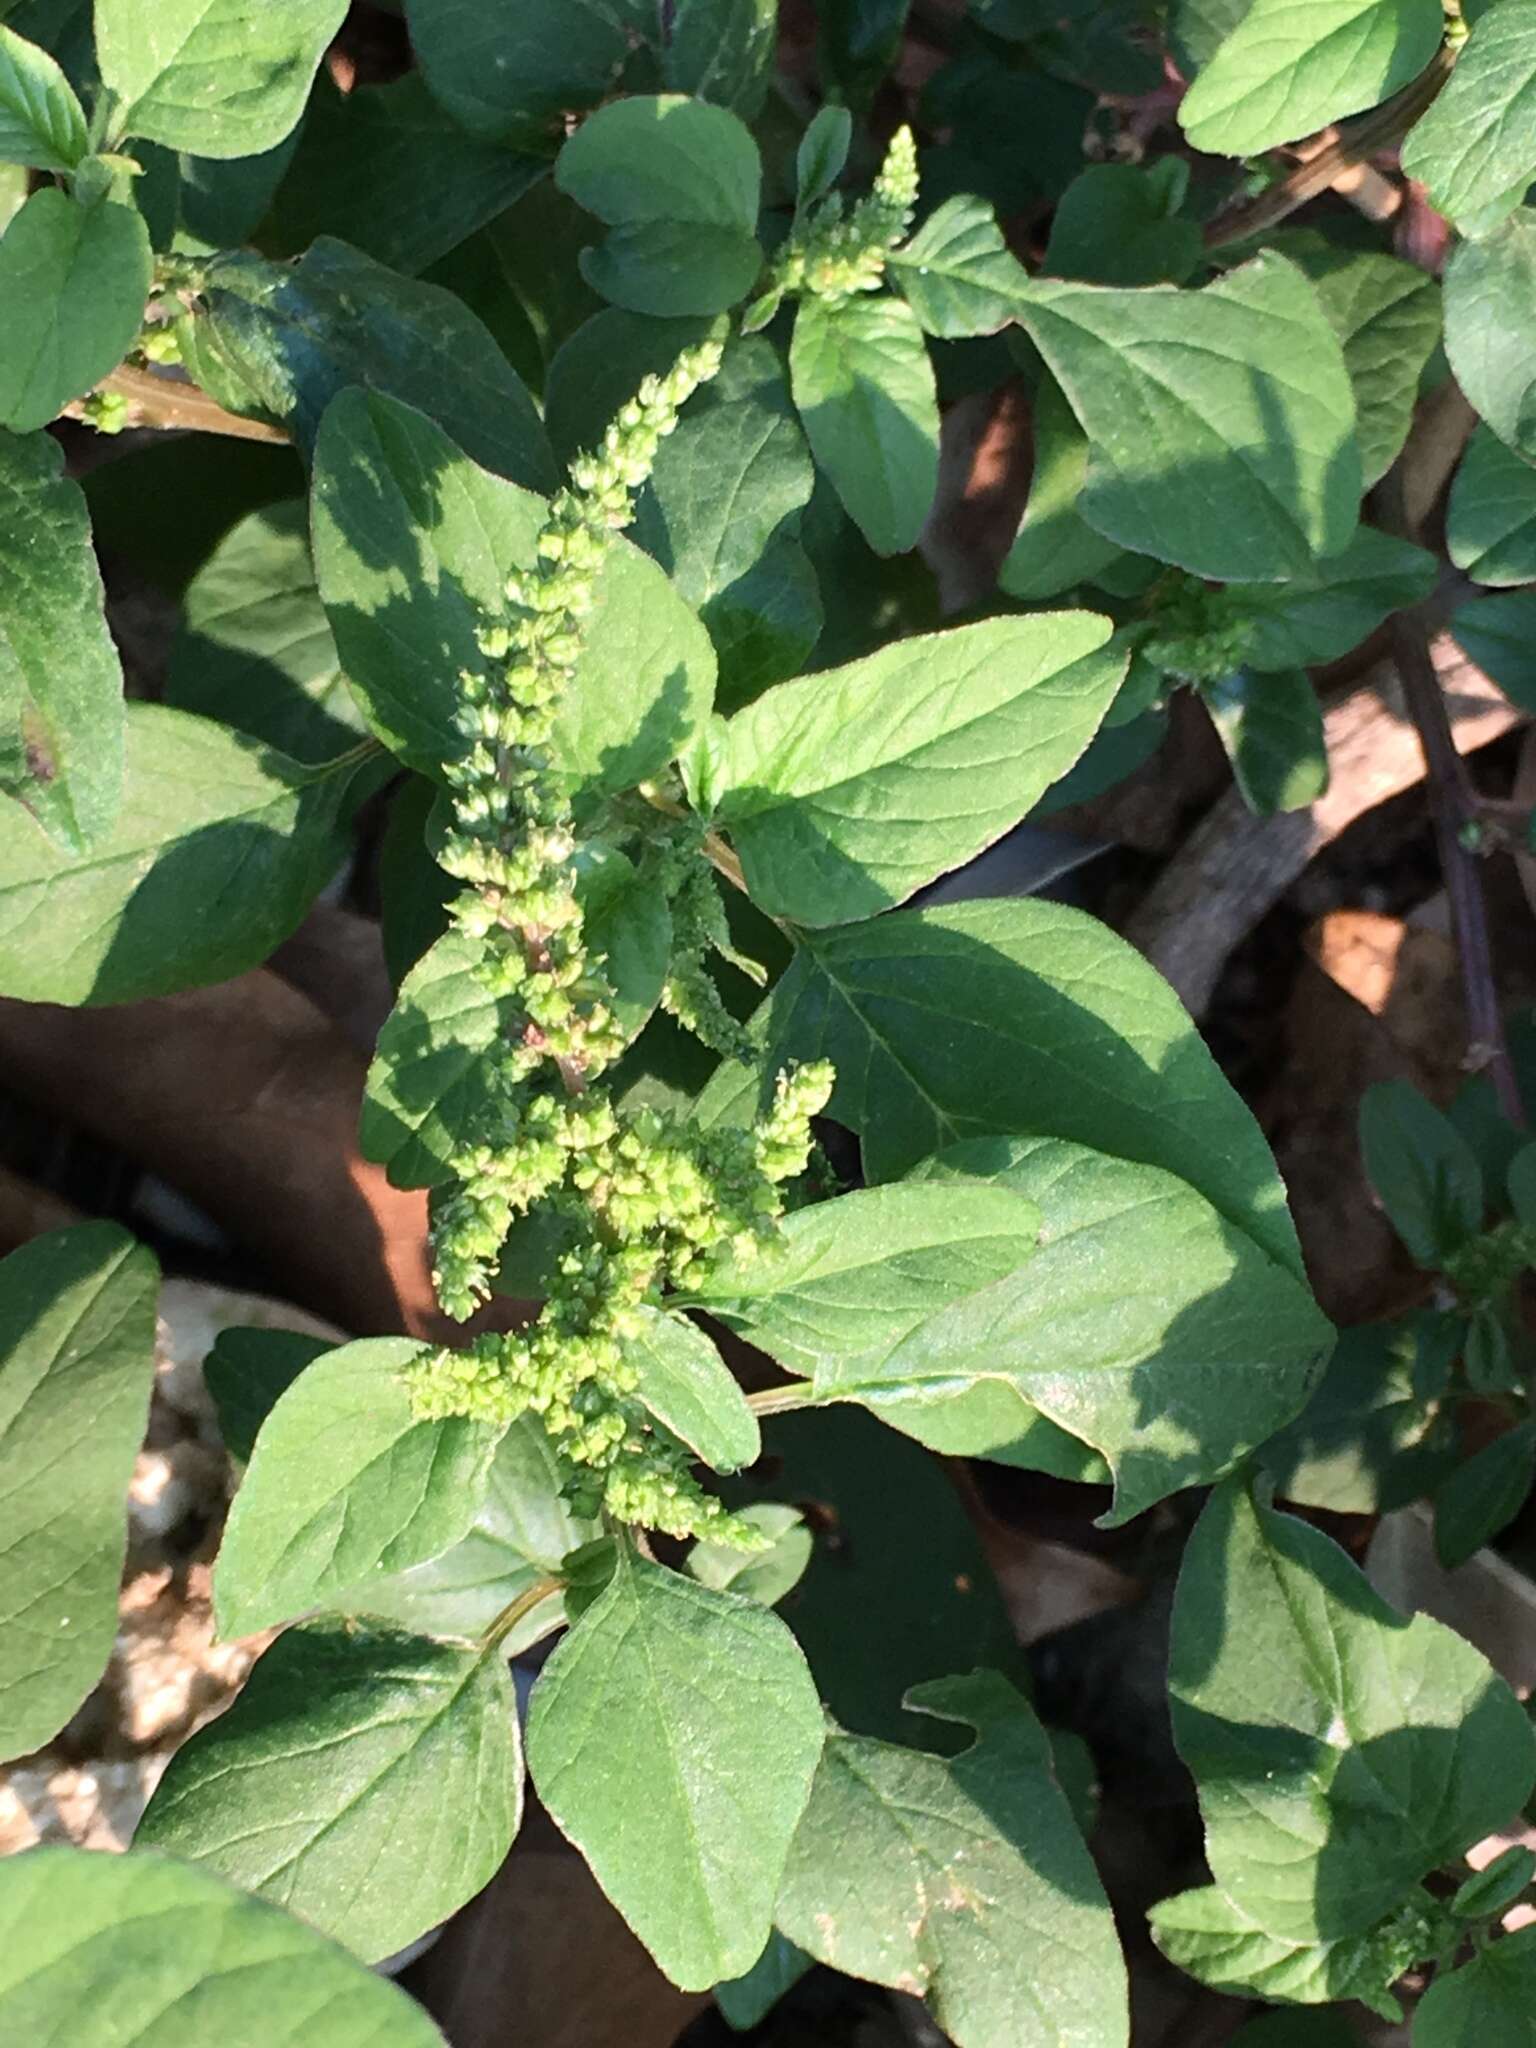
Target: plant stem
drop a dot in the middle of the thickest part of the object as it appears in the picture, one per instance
(1454, 805)
(517, 1610)
(172, 402)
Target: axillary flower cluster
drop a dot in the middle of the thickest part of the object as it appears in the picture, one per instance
(642, 1199)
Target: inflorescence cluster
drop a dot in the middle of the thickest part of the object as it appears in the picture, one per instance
(642, 1199)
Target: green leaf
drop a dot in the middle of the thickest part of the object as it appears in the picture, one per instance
(41, 122)
(687, 1386)
(73, 282)
(857, 43)
(1212, 1937)
(822, 155)
(1118, 224)
(1143, 1324)
(1498, 635)
(1491, 522)
(413, 546)
(765, 625)
(522, 1533)
(1055, 549)
(864, 386)
(388, 171)
(61, 685)
(1423, 1170)
(1490, 1892)
(678, 183)
(1326, 610)
(762, 1575)
(312, 1790)
(673, 1736)
(1285, 70)
(1272, 728)
(730, 476)
(723, 51)
(510, 71)
(344, 1481)
(77, 1356)
(599, 367)
(219, 849)
(246, 1372)
(284, 340)
(1476, 147)
(1313, 1719)
(1487, 2003)
(255, 647)
(846, 791)
(220, 202)
(1242, 460)
(1198, 28)
(1483, 1496)
(846, 1283)
(1490, 306)
(1366, 1442)
(213, 76)
(1387, 316)
(957, 273)
(140, 1947)
(973, 1019)
(962, 1879)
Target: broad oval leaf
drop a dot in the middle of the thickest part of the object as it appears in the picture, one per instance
(413, 546)
(1210, 1935)
(844, 792)
(673, 1736)
(962, 1880)
(282, 340)
(865, 390)
(688, 1387)
(77, 1356)
(678, 183)
(971, 1019)
(1491, 520)
(1490, 305)
(61, 684)
(1340, 1752)
(216, 77)
(1387, 316)
(507, 71)
(1476, 146)
(313, 1791)
(73, 283)
(98, 1948)
(255, 647)
(1487, 2003)
(1221, 423)
(41, 121)
(1288, 69)
(219, 849)
(345, 1481)
(957, 273)
(1272, 728)
(522, 1532)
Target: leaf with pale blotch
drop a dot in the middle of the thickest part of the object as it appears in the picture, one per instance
(673, 1736)
(346, 1480)
(77, 1355)
(962, 1880)
(311, 1791)
(844, 792)
(151, 1949)
(61, 684)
